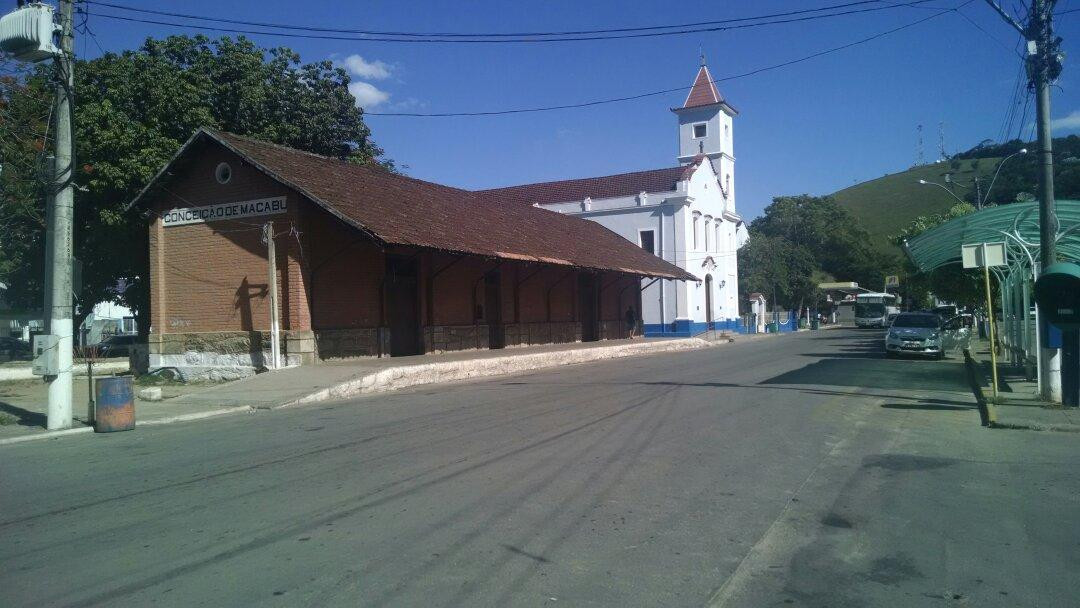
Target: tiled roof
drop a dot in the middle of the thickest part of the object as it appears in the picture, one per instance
(625, 184)
(704, 92)
(400, 210)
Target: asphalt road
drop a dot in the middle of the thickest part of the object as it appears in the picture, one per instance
(798, 470)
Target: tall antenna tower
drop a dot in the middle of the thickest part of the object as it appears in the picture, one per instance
(941, 140)
(919, 160)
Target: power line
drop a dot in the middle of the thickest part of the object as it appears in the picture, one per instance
(674, 89)
(290, 26)
(489, 40)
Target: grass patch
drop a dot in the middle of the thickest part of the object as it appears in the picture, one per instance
(6, 419)
(886, 205)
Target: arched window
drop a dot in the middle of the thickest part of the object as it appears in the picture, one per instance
(697, 218)
(708, 226)
(716, 240)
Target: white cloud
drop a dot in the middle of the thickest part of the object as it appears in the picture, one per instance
(1069, 123)
(362, 68)
(368, 95)
(408, 104)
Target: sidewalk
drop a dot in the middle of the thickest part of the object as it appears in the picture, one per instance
(348, 378)
(24, 401)
(1019, 404)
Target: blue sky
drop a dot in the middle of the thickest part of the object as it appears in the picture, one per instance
(814, 127)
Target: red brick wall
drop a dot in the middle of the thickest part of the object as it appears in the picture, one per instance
(213, 276)
(346, 273)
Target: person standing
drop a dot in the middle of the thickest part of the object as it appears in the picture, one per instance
(631, 321)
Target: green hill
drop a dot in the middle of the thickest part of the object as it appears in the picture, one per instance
(885, 205)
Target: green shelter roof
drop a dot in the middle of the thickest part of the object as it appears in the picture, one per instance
(1017, 224)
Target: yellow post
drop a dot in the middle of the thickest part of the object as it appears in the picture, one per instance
(990, 317)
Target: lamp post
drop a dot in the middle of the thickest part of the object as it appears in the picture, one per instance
(951, 193)
(986, 196)
(980, 200)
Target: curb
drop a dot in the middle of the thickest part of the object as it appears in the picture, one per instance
(406, 376)
(78, 369)
(159, 421)
(47, 435)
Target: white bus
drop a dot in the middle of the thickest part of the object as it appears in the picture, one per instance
(873, 309)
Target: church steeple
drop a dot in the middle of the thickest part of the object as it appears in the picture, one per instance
(704, 119)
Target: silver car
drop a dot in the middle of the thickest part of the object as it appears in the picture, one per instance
(915, 333)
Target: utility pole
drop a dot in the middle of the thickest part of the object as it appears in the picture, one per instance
(1043, 66)
(59, 300)
(275, 330)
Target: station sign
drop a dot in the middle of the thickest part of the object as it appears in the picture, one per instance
(223, 211)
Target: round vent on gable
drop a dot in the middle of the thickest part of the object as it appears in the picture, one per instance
(223, 173)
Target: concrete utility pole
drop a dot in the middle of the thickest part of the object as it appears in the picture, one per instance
(1043, 65)
(59, 300)
(275, 330)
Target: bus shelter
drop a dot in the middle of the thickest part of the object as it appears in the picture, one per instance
(1017, 225)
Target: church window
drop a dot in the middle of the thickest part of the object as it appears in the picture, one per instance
(697, 217)
(708, 221)
(700, 130)
(648, 240)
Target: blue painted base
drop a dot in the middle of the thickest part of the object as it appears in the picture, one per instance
(685, 328)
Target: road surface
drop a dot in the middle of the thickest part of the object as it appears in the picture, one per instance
(798, 470)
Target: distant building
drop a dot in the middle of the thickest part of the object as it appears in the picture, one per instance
(684, 214)
(18, 323)
(107, 319)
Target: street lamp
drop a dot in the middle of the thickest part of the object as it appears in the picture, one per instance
(979, 202)
(1000, 165)
(951, 193)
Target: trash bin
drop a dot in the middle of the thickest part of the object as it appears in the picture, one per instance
(814, 323)
(772, 328)
(114, 404)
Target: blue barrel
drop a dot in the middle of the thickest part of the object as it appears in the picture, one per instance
(114, 404)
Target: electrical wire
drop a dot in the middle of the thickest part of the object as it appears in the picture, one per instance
(502, 34)
(479, 40)
(674, 89)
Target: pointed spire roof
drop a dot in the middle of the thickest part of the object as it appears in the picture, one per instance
(704, 92)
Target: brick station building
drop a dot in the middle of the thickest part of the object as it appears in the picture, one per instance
(369, 263)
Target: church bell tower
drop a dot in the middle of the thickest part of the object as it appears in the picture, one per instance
(705, 121)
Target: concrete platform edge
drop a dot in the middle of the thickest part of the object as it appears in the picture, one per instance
(405, 376)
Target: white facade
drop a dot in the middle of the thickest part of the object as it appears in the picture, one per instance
(695, 226)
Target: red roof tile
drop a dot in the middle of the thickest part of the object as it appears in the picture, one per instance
(400, 210)
(625, 184)
(704, 92)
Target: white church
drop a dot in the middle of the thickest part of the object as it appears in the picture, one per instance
(684, 214)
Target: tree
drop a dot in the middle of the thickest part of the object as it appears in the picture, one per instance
(778, 268)
(949, 283)
(825, 236)
(25, 105)
(135, 109)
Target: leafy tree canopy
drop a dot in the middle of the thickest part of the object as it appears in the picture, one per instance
(133, 111)
(802, 237)
(949, 283)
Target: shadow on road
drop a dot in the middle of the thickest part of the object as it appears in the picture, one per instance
(862, 364)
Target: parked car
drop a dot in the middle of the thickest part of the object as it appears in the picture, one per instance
(116, 346)
(12, 349)
(919, 333)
